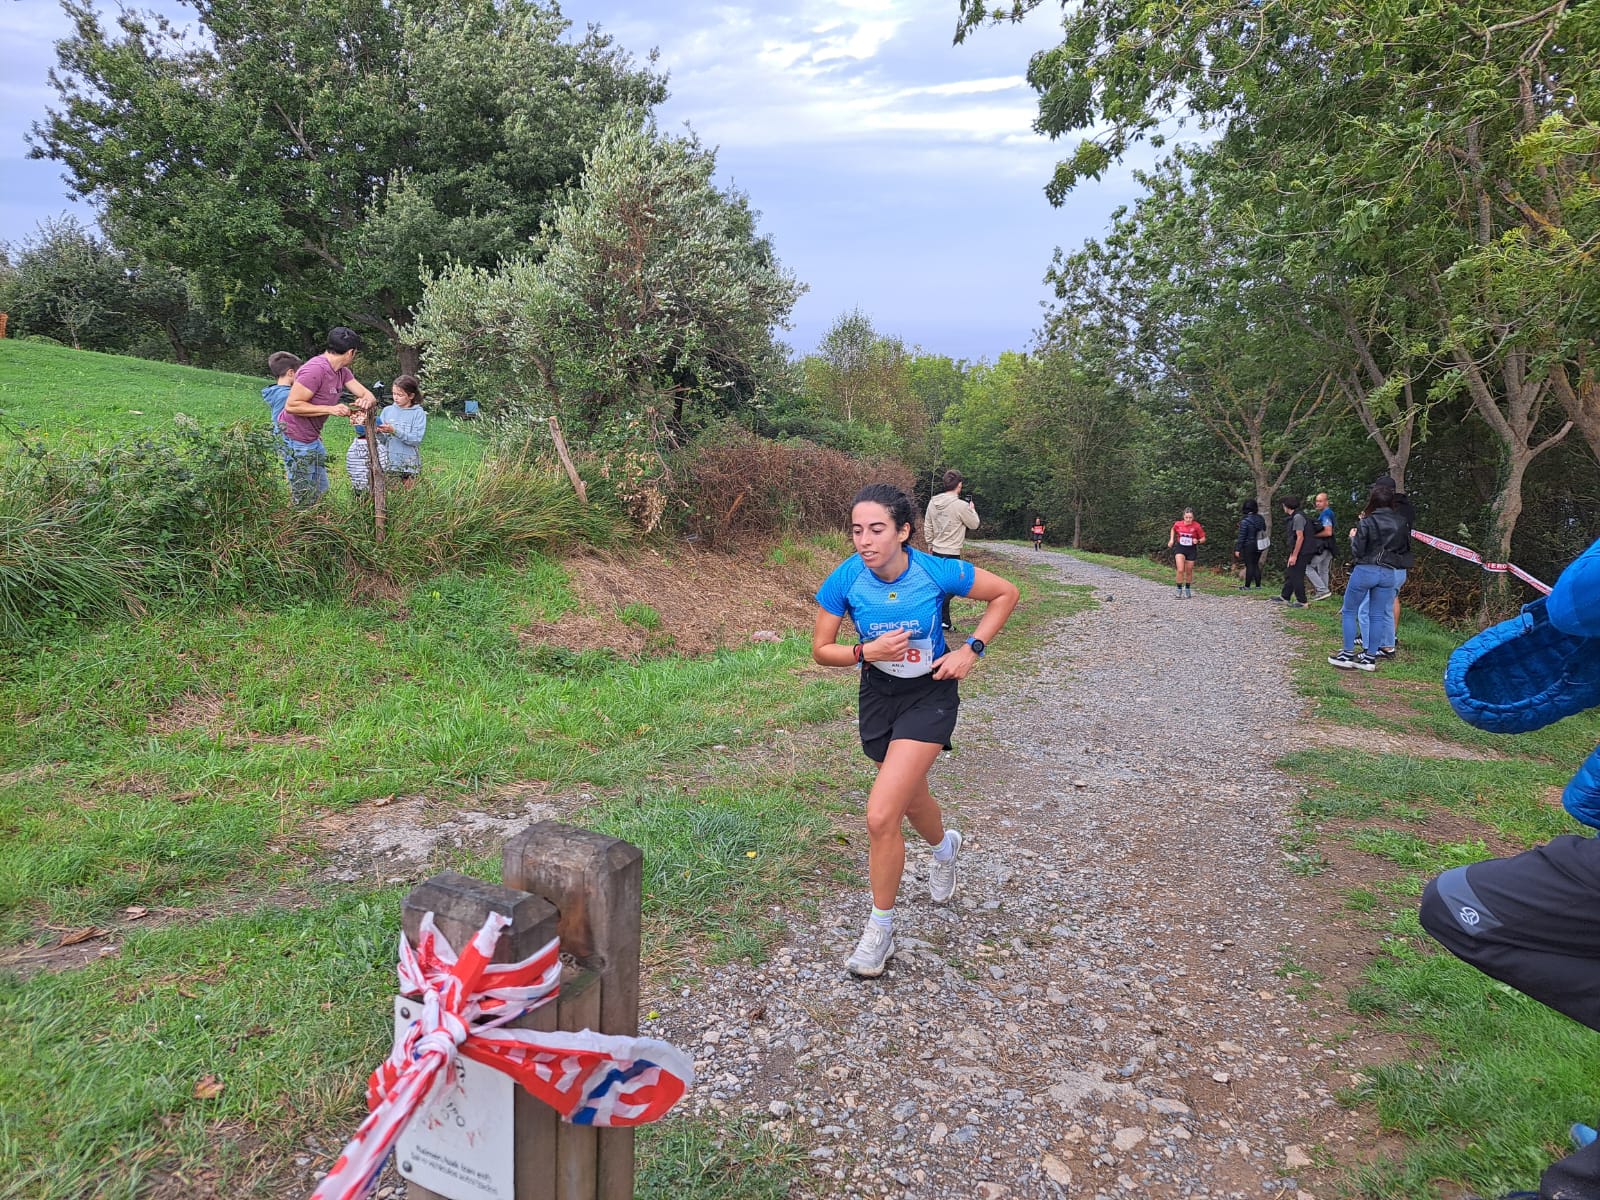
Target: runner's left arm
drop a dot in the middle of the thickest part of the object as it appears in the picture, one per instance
(1001, 597)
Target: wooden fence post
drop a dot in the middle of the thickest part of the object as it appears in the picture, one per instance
(460, 905)
(594, 881)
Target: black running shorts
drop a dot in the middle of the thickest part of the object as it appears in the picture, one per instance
(914, 710)
(1189, 552)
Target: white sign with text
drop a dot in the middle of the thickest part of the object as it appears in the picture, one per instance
(461, 1145)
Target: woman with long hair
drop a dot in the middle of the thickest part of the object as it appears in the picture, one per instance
(1378, 538)
(908, 693)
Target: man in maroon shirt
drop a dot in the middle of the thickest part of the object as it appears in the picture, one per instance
(313, 398)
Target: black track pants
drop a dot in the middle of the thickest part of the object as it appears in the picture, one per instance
(1529, 921)
(1294, 580)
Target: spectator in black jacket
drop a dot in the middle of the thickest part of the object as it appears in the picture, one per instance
(1402, 563)
(1247, 550)
(1381, 535)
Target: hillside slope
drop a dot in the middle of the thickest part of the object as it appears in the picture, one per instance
(59, 396)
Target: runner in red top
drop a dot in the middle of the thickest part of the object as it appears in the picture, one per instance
(1038, 532)
(1185, 540)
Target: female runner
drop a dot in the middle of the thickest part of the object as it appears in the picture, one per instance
(909, 698)
(1187, 536)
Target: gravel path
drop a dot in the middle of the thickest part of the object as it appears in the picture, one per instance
(1101, 1012)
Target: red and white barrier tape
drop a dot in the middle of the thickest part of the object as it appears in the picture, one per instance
(589, 1078)
(1473, 556)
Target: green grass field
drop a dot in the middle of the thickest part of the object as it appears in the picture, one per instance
(58, 397)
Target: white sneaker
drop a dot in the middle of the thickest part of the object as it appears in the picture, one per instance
(942, 878)
(872, 952)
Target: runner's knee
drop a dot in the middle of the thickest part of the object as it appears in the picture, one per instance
(883, 821)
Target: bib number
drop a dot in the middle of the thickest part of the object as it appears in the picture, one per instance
(1185, 539)
(918, 660)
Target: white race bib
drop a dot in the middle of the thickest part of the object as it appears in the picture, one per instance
(918, 660)
(1186, 539)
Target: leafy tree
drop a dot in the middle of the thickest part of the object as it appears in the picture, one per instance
(1447, 151)
(646, 306)
(864, 378)
(68, 283)
(1078, 425)
(1198, 327)
(299, 164)
(936, 380)
(985, 437)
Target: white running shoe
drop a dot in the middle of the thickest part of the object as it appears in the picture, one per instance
(872, 952)
(942, 878)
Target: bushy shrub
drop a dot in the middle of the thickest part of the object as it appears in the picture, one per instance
(201, 514)
(730, 485)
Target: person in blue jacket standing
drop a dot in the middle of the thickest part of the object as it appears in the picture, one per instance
(1530, 920)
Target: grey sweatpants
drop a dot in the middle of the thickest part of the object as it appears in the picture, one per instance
(1317, 573)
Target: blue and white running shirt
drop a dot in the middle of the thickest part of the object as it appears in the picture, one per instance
(910, 602)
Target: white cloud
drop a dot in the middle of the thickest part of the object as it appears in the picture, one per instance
(819, 72)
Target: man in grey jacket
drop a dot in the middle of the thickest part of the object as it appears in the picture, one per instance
(949, 517)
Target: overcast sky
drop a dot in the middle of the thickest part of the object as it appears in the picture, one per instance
(894, 171)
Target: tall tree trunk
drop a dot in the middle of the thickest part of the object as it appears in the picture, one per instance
(410, 357)
(1077, 526)
(1513, 414)
(1581, 400)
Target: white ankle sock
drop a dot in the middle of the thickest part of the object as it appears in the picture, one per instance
(945, 850)
(883, 918)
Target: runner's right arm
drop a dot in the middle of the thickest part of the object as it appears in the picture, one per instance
(827, 650)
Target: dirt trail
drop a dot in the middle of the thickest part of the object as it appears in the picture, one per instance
(1131, 996)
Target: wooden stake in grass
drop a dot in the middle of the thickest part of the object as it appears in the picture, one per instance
(566, 460)
(375, 475)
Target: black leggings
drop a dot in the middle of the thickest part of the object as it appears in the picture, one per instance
(1294, 580)
(944, 606)
(1252, 566)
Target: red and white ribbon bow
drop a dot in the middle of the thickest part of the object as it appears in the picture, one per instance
(589, 1078)
(1472, 556)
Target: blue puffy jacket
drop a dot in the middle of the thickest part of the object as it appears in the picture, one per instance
(1538, 667)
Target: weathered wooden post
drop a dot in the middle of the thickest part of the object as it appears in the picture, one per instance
(594, 882)
(460, 904)
(559, 881)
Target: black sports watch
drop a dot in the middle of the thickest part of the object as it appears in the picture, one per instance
(977, 646)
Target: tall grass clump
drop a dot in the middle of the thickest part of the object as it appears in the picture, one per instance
(502, 509)
(59, 560)
(198, 514)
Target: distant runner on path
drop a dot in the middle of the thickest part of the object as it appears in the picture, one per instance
(1184, 541)
(909, 697)
(1038, 533)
